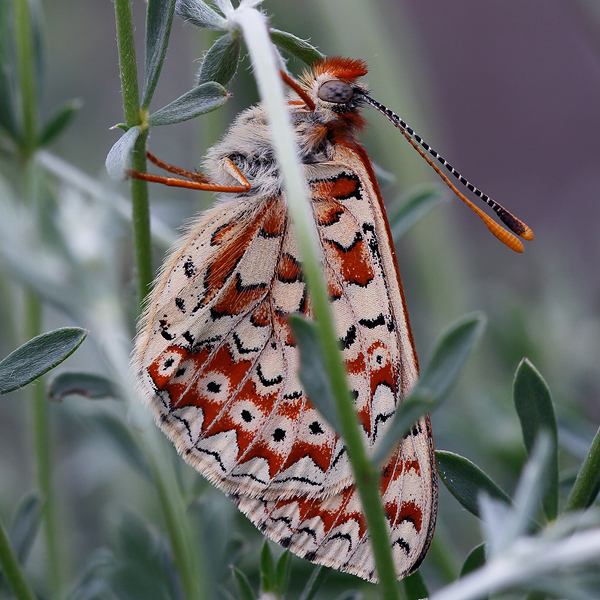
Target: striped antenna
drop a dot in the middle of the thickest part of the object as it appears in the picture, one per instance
(514, 224)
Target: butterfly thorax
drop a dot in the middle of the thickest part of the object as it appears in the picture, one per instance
(248, 142)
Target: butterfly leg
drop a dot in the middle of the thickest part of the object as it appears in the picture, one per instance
(198, 181)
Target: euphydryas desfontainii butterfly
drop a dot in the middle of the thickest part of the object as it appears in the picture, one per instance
(218, 365)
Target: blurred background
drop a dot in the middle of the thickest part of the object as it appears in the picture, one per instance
(507, 91)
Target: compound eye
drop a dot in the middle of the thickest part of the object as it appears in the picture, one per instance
(336, 91)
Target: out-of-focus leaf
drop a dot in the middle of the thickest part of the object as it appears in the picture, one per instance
(534, 406)
(448, 358)
(125, 443)
(36, 16)
(312, 372)
(313, 585)
(414, 587)
(283, 571)
(297, 47)
(418, 202)
(200, 14)
(242, 585)
(268, 581)
(466, 481)
(118, 161)
(450, 353)
(8, 68)
(38, 356)
(59, 122)
(495, 515)
(93, 583)
(475, 560)
(88, 385)
(25, 525)
(200, 100)
(159, 18)
(144, 568)
(221, 61)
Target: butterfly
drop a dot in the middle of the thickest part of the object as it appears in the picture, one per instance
(215, 357)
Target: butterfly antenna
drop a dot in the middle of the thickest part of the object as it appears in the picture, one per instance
(514, 224)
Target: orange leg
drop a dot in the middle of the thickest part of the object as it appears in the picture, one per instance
(199, 181)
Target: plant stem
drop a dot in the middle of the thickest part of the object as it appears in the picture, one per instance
(587, 478)
(133, 116)
(12, 569)
(41, 440)
(167, 487)
(26, 78)
(366, 475)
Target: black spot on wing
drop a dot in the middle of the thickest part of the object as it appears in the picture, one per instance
(349, 338)
(372, 323)
(267, 382)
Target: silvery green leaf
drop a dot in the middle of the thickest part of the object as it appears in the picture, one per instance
(448, 358)
(466, 481)
(474, 560)
(312, 373)
(414, 586)
(25, 525)
(118, 161)
(494, 515)
(296, 47)
(9, 120)
(38, 356)
(242, 585)
(414, 206)
(88, 385)
(317, 577)
(200, 100)
(200, 14)
(533, 402)
(159, 17)
(221, 61)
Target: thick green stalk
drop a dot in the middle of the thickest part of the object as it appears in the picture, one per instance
(41, 440)
(133, 117)
(26, 78)
(12, 569)
(367, 476)
(587, 478)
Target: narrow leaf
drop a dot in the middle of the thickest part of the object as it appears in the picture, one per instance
(38, 356)
(407, 414)
(296, 47)
(8, 70)
(59, 122)
(448, 358)
(466, 481)
(474, 561)
(124, 442)
(533, 402)
(25, 525)
(159, 18)
(268, 582)
(450, 354)
(587, 484)
(313, 585)
(283, 570)
(200, 100)
(414, 206)
(242, 585)
(414, 587)
(88, 385)
(201, 15)
(312, 373)
(221, 61)
(118, 161)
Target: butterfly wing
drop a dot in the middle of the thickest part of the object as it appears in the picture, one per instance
(218, 366)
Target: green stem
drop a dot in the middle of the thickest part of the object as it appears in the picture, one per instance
(133, 117)
(41, 440)
(26, 78)
(167, 487)
(175, 517)
(141, 222)
(12, 569)
(587, 478)
(366, 474)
